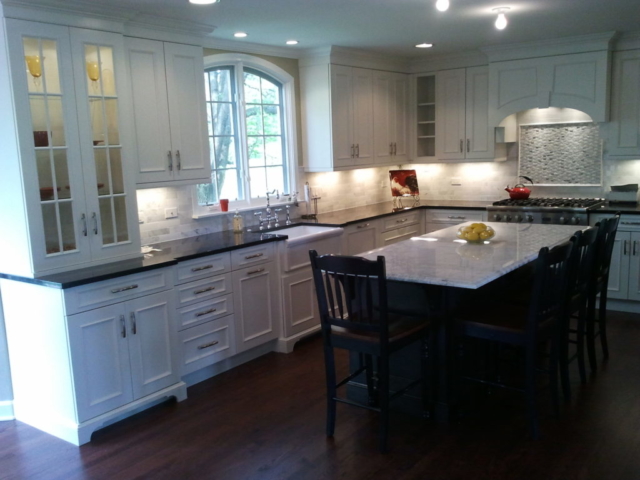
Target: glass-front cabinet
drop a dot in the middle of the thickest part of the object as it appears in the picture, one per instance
(69, 92)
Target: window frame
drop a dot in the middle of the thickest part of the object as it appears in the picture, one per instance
(238, 62)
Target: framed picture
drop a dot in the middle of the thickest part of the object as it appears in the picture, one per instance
(403, 183)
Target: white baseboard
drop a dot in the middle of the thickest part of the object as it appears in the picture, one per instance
(285, 345)
(623, 306)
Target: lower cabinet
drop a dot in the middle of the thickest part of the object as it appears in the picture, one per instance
(256, 304)
(121, 353)
(360, 237)
(300, 302)
(438, 219)
(399, 227)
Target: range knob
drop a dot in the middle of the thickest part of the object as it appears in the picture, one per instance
(575, 221)
(496, 217)
(507, 218)
(530, 218)
(518, 218)
(562, 221)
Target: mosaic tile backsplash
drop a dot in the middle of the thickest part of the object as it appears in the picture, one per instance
(561, 153)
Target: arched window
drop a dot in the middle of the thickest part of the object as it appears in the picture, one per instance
(250, 114)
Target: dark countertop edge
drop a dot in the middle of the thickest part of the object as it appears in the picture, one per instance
(276, 238)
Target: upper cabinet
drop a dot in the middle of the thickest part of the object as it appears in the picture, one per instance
(170, 118)
(462, 114)
(578, 81)
(71, 187)
(352, 117)
(624, 137)
(390, 129)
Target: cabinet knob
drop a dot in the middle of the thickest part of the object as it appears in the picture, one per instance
(178, 159)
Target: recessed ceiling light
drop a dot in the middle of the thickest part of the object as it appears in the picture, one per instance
(501, 21)
(292, 42)
(239, 34)
(203, 2)
(424, 45)
(442, 5)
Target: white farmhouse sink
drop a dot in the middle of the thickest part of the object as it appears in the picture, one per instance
(307, 234)
(303, 238)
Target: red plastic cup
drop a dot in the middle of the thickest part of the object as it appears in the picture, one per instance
(224, 204)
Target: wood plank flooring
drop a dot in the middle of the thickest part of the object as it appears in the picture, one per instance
(265, 420)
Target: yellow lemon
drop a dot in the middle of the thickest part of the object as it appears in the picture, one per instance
(480, 228)
(486, 235)
(474, 225)
(467, 229)
(472, 236)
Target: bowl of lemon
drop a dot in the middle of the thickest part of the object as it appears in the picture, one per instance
(476, 233)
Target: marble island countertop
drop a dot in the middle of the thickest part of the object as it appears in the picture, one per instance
(440, 258)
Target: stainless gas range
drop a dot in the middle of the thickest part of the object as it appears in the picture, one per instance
(556, 211)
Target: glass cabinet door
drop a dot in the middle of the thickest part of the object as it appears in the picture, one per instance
(98, 62)
(50, 153)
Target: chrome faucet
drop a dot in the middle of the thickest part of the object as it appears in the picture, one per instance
(288, 221)
(260, 219)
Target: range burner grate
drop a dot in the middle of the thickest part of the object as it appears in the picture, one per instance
(549, 202)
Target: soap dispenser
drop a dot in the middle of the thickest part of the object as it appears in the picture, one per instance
(237, 222)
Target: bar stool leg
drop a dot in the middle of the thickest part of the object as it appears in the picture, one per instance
(330, 369)
(530, 390)
(602, 321)
(383, 395)
(582, 315)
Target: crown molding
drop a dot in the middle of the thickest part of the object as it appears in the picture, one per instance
(449, 61)
(628, 41)
(354, 58)
(254, 48)
(550, 47)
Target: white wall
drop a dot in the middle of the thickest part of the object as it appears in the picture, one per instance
(6, 393)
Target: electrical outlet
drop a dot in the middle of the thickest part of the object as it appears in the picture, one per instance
(171, 212)
(456, 181)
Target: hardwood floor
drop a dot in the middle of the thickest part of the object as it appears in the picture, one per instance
(265, 420)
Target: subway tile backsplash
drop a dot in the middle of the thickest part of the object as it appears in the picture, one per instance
(483, 181)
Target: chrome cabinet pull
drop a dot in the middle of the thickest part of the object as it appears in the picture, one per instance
(205, 267)
(624, 251)
(358, 150)
(402, 221)
(95, 222)
(84, 224)
(170, 157)
(363, 226)
(124, 289)
(635, 243)
(395, 148)
(461, 145)
(178, 159)
(253, 256)
(457, 217)
(208, 289)
(630, 223)
(134, 327)
(123, 328)
(206, 312)
(252, 272)
(391, 149)
(468, 145)
(207, 345)
(353, 150)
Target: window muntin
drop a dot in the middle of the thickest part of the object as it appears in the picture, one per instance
(247, 113)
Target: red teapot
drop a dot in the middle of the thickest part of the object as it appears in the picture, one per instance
(519, 191)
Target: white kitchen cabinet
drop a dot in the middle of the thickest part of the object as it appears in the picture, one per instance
(71, 188)
(256, 297)
(390, 117)
(399, 227)
(300, 304)
(168, 94)
(360, 237)
(122, 352)
(437, 219)
(624, 133)
(578, 81)
(462, 118)
(425, 117)
(94, 366)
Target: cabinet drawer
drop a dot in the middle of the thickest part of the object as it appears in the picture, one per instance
(398, 221)
(453, 217)
(202, 268)
(200, 290)
(207, 344)
(116, 290)
(205, 311)
(252, 256)
(399, 234)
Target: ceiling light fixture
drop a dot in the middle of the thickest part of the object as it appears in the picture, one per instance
(292, 42)
(203, 2)
(442, 5)
(240, 35)
(501, 21)
(424, 45)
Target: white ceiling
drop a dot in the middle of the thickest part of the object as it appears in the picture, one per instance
(394, 26)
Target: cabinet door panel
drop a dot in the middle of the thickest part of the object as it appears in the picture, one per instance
(625, 104)
(400, 116)
(383, 116)
(100, 360)
(256, 305)
(480, 141)
(363, 115)
(619, 271)
(51, 159)
(185, 85)
(634, 267)
(450, 118)
(150, 110)
(342, 115)
(104, 117)
(360, 238)
(300, 302)
(152, 339)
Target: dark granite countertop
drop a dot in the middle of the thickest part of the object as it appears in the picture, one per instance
(626, 208)
(164, 255)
